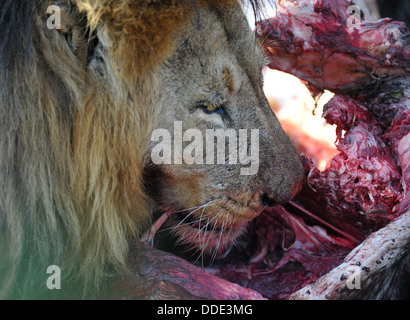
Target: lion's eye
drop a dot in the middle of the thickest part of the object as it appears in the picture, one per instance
(209, 109)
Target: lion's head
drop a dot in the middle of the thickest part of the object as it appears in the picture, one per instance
(80, 107)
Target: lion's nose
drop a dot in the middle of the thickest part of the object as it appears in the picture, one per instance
(268, 201)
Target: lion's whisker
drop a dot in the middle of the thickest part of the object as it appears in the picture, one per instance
(209, 238)
(189, 214)
(214, 255)
(200, 206)
(204, 246)
(205, 226)
(200, 219)
(209, 221)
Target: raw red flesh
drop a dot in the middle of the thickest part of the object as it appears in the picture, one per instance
(285, 254)
(367, 184)
(371, 62)
(312, 40)
(363, 183)
(399, 137)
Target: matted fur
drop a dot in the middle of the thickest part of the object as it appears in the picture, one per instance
(71, 143)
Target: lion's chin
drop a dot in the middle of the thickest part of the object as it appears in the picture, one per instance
(206, 232)
(204, 237)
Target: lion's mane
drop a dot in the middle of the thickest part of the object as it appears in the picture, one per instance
(72, 143)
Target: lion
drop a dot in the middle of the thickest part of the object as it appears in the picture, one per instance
(79, 105)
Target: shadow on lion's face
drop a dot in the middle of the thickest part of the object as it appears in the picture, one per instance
(218, 155)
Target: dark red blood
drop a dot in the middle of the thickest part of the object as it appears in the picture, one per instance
(283, 254)
(274, 285)
(363, 183)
